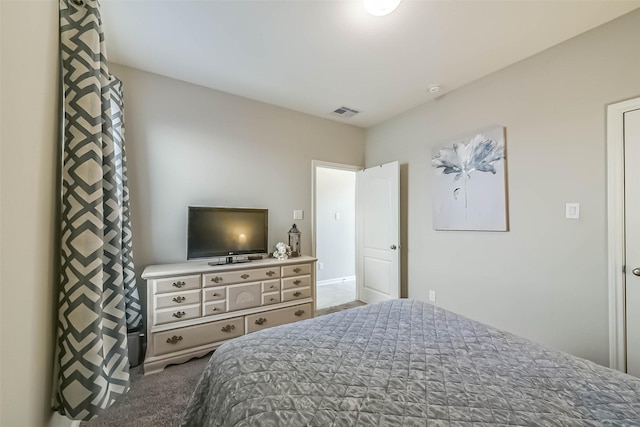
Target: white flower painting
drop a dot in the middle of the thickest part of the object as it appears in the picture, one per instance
(469, 191)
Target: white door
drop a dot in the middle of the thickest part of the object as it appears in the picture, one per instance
(378, 233)
(632, 238)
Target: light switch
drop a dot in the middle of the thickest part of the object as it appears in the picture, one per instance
(336, 215)
(298, 214)
(572, 211)
(432, 296)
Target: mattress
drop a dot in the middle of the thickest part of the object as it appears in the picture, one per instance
(404, 362)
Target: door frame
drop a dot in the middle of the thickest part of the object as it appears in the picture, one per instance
(328, 165)
(616, 231)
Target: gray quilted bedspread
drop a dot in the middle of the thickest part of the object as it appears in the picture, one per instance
(404, 362)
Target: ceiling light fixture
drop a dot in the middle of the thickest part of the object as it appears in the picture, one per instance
(434, 89)
(381, 7)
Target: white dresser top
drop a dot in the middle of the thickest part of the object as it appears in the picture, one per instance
(202, 266)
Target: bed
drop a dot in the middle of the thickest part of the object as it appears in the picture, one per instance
(404, 362)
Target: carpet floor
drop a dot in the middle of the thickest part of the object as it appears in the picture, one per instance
(155, 400)
(158, 400)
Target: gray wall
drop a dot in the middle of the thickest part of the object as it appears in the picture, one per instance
(29, 272)
(336, 238)
(189, 145)
(546, 279)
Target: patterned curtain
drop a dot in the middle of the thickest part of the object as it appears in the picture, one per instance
(98, 296)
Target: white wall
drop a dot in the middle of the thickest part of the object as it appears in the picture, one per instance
(336, 237)
(28, 289)
(546, 278)
(189, 145)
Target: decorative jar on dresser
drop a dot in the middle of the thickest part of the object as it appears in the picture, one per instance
(194, 307)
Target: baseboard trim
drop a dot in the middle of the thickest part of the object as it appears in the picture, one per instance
(58, 420)
(335, 281)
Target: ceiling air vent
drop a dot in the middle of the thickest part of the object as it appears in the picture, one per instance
(345, 112)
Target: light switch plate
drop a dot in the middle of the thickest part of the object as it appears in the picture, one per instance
(572, 211)
(298, 214)
(432, 296)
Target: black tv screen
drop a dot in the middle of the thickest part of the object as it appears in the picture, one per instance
(217, 232)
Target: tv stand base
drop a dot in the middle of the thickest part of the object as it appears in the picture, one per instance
(229, 260)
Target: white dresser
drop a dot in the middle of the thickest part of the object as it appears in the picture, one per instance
(193, 307)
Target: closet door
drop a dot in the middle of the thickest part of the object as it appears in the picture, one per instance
(632, 238)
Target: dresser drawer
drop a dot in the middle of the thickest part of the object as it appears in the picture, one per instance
(215, 307)
(296, 282)
(175, 284)
(214, 294)
(271, 286)
(271, 298)
(294, 294)
(296, 270)
(176, 314)
(259, 321)
(244, 296)
(194, 336)
(242, 276)
(177, 299)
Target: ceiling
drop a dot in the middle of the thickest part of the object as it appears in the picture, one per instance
(315, 56)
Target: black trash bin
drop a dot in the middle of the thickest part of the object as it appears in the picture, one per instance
(136, 354)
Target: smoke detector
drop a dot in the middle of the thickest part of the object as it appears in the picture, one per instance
(345, 112)
(434, 89)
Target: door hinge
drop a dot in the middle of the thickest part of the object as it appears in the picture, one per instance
(624, 269)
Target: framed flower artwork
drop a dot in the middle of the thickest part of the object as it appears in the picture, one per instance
(469, 183)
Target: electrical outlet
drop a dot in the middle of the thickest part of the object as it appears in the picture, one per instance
(321, 265)
(298, 214)
(432, 296)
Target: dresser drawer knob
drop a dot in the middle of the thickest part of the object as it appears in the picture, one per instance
(261, 321)
(271, 287)
(297, 294)
(179, 314)
(270, 299)
(245, 276)
(178, 284)
(174, 339)
(297, 270)
(270, 273)
(228, 328)
(179, 299)
(215, 294)
(216, 279)
(297, 282)
(214, 309)
(299, 313)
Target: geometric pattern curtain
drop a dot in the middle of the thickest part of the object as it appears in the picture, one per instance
(98, 299)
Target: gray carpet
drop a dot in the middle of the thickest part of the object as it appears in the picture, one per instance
(155, 400)
(158, 400)
(338, 308)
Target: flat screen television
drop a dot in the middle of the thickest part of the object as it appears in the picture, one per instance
(226, 232)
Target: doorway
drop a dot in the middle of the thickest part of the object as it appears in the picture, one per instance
(623, 148)
(335, 233)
